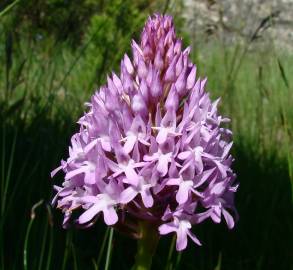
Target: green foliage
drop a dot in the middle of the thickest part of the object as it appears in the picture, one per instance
(109, 35)
(58, 18)
(66, 20)
(43, 85)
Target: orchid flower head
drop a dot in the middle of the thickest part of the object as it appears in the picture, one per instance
(151, 146)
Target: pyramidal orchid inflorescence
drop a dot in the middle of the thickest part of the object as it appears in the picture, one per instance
(151, 147)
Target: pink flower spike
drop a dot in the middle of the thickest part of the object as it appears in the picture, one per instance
(151, 146)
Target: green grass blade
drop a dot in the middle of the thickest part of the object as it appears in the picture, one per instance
(109, 249)
(8, 176)
(26, 244)
(103, 246)
(178, 260)
(33, 215)
(168, 263)
(49, 256)
(8, 8)
(44, 240)
(75, 266)
(96, 267)
(219, 263)
(3, 156)
(67, 245)
(283, 73)
(78, 57)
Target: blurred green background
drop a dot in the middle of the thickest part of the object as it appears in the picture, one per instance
(55, 53)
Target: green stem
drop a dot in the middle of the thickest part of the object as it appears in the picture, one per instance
(109, 249)
(146, 246)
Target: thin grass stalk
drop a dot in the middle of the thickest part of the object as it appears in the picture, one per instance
(8, 62)
(109, 249)
(103, 247)
(51, 238)
(25, 248)
(2, 248)
(44, 238)
(8, 8)
(19, 179)
(49, 257)
(83, 49)
(285, 124)
(219, 262)
(8, 176)
(49, 89)
(25, 259)
(3, 157)
(169, 258)
(67, 245)
(75, 266)
(96, 267)
(178, 260)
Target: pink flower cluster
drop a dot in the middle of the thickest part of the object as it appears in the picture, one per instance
(151, 146)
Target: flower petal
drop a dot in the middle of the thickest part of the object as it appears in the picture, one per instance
(184, 155)
(89, 214)
(162, 166)
(167, 228)
(216, 214)
(162, 135)
(110, 215)
(193, 238)
(131, 175)
(181, 242)
(229, 219)
(129, 144)
(147, 198)
(183, 192)
(128, 195)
